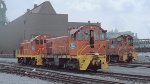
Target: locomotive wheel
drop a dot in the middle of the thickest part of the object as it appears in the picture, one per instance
(108, 58)
(130, 58)
(33, 61)
(72, 65)
(20, 61)
(44, 61)
(114, 59)
(93, 67)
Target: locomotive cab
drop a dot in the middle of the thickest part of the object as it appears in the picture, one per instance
(39, 44)
(30, 51)
(88, 44)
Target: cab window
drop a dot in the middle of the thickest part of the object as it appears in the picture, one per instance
(119, 41)
(36, 41)
(44, 41)
(41, 41)
(73, 44)
(73, 37)
(102, 35)
(95, 35)
(112, 42)
(130, 41)
(80, 35)
(86, 35)
(124, 40)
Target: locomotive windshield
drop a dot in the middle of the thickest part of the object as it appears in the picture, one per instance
(80, 35)
(86, 35)
(124, 40)
(95, 35)
(41, 41)
(102, 35)
(119, 41)
(36, 41)
(130, 41)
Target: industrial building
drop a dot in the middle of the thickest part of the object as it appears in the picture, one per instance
(42, 19)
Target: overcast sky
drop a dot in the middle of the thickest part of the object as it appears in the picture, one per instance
(125, 15)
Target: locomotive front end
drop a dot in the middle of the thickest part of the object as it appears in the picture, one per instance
(88, 43)
(93, 61)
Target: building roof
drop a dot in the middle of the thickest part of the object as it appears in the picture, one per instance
(44, 8)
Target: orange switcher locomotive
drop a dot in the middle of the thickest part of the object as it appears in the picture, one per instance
(120, 49)
(84, 48)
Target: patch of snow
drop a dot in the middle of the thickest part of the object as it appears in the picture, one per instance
(8, 60)
(143, 57)
(14, 79)
(133, 71)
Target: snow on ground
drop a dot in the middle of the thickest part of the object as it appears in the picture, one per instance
(134, 71)
(102, 78)
(14, 79)
(143, 57)
(8, 60)
(97, 77)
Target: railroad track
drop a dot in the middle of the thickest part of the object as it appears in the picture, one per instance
(116, 76)
(51, 75)
(126, 77)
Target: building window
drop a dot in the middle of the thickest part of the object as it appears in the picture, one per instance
(24, 22)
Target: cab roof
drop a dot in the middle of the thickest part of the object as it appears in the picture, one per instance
(74, 30)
